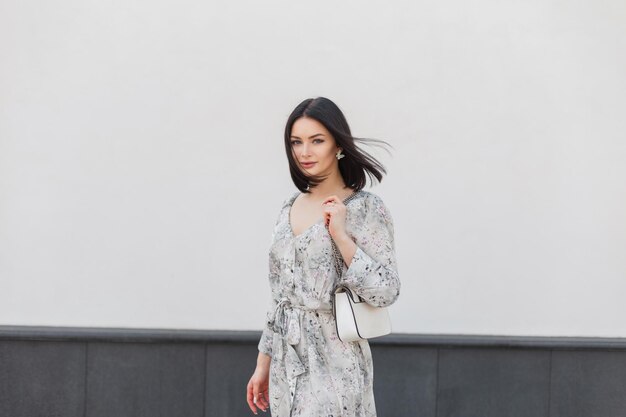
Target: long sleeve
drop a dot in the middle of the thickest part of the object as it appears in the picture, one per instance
(373, 271)
(265, 344)
(267, 337)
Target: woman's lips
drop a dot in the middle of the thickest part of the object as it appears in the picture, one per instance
(308, 164)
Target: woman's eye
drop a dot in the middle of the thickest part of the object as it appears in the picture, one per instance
(295, 142)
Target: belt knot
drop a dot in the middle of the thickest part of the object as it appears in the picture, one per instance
(286, 319)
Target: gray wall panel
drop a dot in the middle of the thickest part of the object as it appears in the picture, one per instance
(493, 383)
(123, 380)
(42, 378)
(141, 379)
(143, 372)
(182, 380)
(405, 380)
(229, 368)
(588, 384)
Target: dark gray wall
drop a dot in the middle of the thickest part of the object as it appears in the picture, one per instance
(68, 372)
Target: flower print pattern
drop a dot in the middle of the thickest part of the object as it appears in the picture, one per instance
(312, 372)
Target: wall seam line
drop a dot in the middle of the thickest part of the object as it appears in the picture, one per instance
(437, 384)
(206, 375)
(550, 385)
(85, 379)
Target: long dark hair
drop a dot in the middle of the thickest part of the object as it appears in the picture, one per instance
(356, 163)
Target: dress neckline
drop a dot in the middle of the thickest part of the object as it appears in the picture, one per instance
(293, 199)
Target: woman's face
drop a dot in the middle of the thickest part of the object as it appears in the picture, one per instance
(311, 142)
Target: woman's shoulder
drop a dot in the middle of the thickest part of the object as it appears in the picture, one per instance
(370, 199)
(372, 204)
(289, 199)
(368, 195)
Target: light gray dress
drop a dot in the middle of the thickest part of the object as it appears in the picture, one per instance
(312, 372)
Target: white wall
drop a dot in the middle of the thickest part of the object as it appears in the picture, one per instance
(142, 168)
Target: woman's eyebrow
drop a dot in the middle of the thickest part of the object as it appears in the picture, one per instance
(310, 137)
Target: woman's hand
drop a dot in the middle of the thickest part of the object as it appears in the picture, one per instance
(258, 386)
(335, 217)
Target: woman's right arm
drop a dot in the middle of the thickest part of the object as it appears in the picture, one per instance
(258, 386)
(257, 392)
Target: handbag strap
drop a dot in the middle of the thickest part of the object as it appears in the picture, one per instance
(336, 254)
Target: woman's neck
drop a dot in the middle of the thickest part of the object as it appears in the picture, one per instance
(327, 188)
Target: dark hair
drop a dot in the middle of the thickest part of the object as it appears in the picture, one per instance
(356, 162)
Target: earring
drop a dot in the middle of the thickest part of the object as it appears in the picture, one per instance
(339, 155)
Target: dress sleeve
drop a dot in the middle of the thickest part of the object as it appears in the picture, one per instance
(265, 344)
(373, 271)
(267, 337)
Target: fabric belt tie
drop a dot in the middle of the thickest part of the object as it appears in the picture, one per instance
(286, 319)
(286, 323)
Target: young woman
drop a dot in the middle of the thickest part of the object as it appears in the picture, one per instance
(303, 368)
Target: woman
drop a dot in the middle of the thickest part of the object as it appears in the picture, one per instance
(303, 369)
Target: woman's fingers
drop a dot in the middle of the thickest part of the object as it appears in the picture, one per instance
(330, 207)
(334, 206)
(331, 199)
(264, 399)
(250, 398)
(259, 400)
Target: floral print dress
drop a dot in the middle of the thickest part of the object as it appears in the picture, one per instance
(312, 372)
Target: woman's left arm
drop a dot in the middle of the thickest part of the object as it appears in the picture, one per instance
(372, 272)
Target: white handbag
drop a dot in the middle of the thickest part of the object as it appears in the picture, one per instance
(355, 319)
